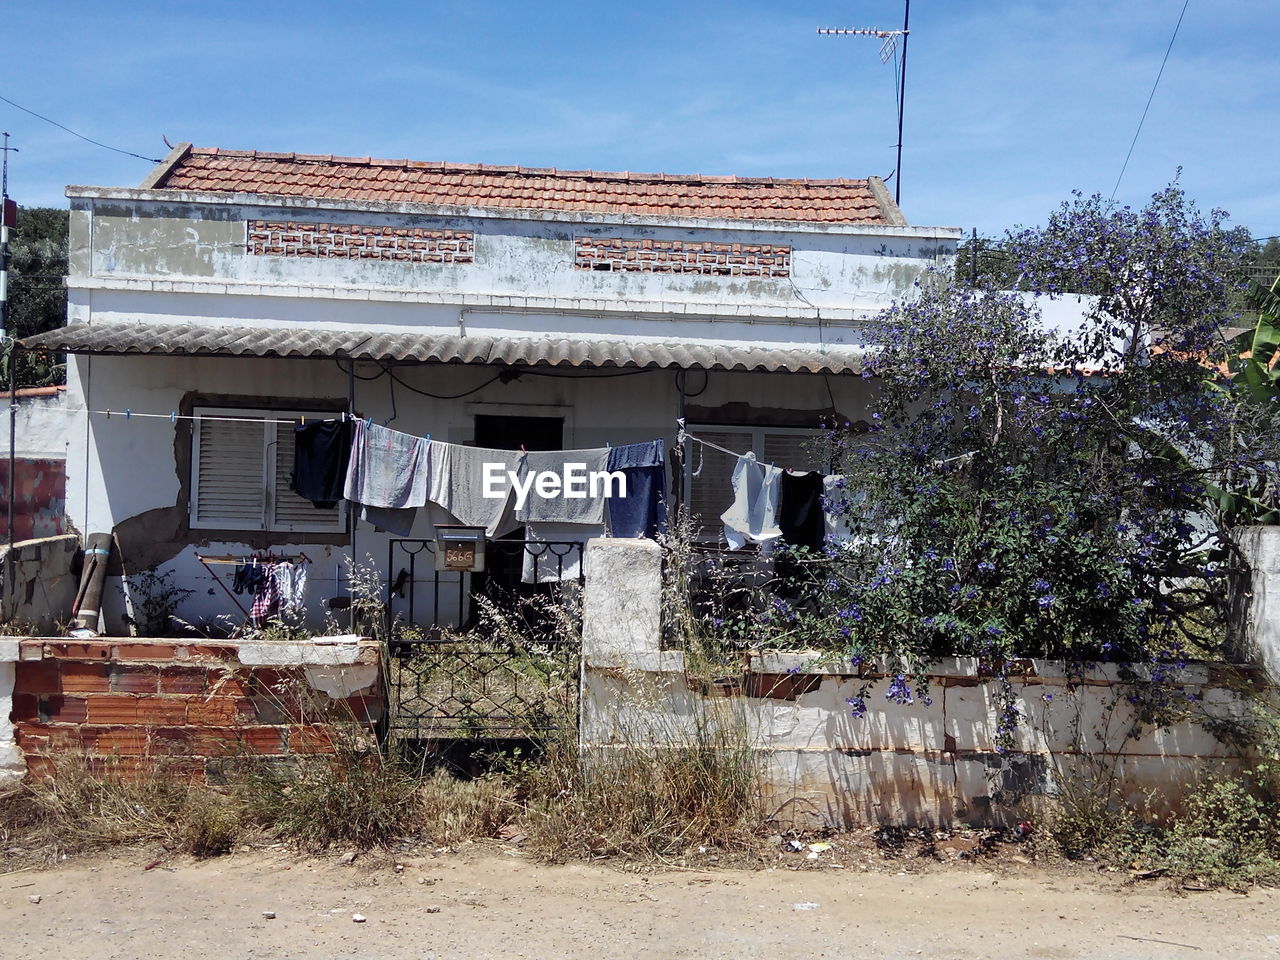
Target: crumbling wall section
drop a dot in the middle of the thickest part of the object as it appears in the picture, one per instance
(196, 705)
(39, 579)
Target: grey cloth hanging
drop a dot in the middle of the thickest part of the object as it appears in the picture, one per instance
(457, 483)
(560, 508)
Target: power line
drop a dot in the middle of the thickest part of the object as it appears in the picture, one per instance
(60, 126)
(1150, 98)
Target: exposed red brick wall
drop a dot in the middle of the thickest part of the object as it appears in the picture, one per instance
(39, 499)
(289, 238)
(680, 256)
(194, 704)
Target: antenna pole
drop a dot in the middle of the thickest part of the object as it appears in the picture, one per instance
(890, 38)
(902, 101)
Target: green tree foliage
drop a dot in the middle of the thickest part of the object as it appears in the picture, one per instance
(37, 291)
(1028, 492)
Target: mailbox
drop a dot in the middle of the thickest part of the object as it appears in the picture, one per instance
(460, 548)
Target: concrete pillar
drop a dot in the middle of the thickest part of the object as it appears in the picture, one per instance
(622, 600)
(1261, 547)
(13, 767)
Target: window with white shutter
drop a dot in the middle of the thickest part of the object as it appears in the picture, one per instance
(241, 465)
(710, 493)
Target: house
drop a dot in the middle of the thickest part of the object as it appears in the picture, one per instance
(495, 306)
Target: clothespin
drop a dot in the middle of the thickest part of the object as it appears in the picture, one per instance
(428, 438)
(173, 416)
(522, 449)
(127, 413)
(108, 413)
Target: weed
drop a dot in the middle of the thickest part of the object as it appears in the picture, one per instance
(153, 600)
(648, 792)
(210, 824)
(351, 797)
(89, 804)
(340, 787)
(453, 810)
(1224, 836)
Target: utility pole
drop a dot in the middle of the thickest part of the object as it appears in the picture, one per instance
(887, 50)
(8, 219)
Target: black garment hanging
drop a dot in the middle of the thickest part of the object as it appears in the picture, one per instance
(248, 578)
(321, 451)
(800, 509)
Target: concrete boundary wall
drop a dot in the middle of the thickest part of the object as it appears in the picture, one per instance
(39, 579)
(921, 764)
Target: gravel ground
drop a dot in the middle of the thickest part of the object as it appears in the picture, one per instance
(491, 901)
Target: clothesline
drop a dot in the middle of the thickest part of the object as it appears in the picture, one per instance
(175, 416)
(684, 434)
(714, 446)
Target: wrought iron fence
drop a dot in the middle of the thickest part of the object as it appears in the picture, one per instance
(484, 656)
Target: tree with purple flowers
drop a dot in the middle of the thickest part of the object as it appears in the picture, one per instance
(1033, 492)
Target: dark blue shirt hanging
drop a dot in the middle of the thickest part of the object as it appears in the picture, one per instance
(643, 511)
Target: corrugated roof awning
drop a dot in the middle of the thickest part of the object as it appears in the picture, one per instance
(187, 340)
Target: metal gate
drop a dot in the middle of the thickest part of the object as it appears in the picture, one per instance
(484, 657)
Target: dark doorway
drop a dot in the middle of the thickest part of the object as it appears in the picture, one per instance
(502, 578)
(512, 433)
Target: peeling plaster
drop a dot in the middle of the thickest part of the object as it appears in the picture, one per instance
(341, 682)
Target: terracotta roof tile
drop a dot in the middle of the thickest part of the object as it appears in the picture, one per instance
(458, 184)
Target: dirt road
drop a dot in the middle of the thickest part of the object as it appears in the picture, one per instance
(509, 906)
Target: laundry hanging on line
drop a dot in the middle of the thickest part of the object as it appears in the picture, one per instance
(278, 588)
(800, 513)
(799, 508)
(392, 474)
(321, 458)
(388, 475)
(753, 513)
(457, 483)
(559, 508)
(642, 510)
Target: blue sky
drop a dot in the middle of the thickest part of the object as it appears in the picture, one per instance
(1010, 105)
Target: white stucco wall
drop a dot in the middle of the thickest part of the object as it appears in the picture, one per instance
(41, 426)
(1261, 548)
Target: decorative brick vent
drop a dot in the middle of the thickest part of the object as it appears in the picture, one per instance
(289, 238)
(681, 256)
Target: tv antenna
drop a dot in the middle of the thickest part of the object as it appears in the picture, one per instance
(888, 51)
